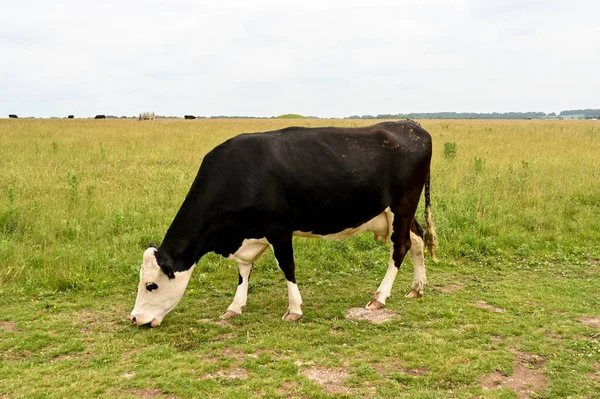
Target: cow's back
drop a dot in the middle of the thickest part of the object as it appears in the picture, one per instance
(320, 180)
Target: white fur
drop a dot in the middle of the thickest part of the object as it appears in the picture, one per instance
(294, 299)
(153, 306)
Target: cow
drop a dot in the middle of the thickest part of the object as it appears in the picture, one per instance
(13, 116)
(189, 117)
(258, 190)
(100, 117)
(146, 116)
(70, 117)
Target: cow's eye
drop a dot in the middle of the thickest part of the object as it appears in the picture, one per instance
(151, 286)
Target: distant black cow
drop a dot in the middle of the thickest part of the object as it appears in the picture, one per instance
(100, 117)
(259, 190)
(12, 116)
(70, 116)
(189, 117)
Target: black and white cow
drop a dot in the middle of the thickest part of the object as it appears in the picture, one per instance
(261, 189)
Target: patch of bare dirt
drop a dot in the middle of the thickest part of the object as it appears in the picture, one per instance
(222, 323)
(449, 289)
(330, 380)
(372, 316)
(527, 376)
(590, 321)
(593, 262)
(93, 322)
(8, 326)
(237, 354)
(229, 374)
(523, 381)
(128, 375)
(531, 360)
(222, 337)
(484, 305)
(595, 375)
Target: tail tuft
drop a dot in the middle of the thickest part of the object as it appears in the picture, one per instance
(431, 240)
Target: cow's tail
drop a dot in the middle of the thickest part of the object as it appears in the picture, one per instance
(431, 240)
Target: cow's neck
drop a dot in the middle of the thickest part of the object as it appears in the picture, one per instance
(183, 243)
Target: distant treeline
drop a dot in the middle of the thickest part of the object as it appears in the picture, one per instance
(460, 115)
(568, 114)
(584, 112)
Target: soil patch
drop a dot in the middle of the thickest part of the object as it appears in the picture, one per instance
(527, 376)
(372, 316)
(531, 360)
(484, 305)
(8, 326)
(523, 381)
(590, 321)
(449, 289)
(331, 380)
(222, 323)
(230, 374)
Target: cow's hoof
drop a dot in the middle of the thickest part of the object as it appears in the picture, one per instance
(414, 294)
(291, 316)
(229, 314)
(375, 305)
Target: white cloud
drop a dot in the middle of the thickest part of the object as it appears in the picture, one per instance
(323, 58)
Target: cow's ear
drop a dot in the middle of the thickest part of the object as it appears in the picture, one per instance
(165, 264)
(168, 270)
(152, 245)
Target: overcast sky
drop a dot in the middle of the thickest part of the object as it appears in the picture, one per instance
(323, 58)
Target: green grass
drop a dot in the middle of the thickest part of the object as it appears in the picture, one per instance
(517, 210)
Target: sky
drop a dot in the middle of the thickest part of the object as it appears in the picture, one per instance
(320, 58)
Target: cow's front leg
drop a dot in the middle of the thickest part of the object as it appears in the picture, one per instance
(241, 293)
(284, 254)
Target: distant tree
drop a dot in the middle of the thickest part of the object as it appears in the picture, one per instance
(290, 116)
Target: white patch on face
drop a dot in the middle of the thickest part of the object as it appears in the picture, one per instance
(152, 306)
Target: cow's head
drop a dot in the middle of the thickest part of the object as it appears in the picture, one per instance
(159, 291)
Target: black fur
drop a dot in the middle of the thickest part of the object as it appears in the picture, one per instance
(165, 263)
(151, 286)
(319, 180)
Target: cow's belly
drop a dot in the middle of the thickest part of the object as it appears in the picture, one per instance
(377, 225)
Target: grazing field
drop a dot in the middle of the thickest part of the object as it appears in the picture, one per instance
(512, 308)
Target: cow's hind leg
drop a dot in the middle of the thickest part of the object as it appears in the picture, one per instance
(418, 258)
(250, 251)
(399, 223)
(284, 254)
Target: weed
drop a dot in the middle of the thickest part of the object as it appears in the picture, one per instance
(73, 186)
(450, 150)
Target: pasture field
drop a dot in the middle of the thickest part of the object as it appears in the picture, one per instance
(512, 308)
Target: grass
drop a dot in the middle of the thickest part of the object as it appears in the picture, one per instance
(517, 209)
